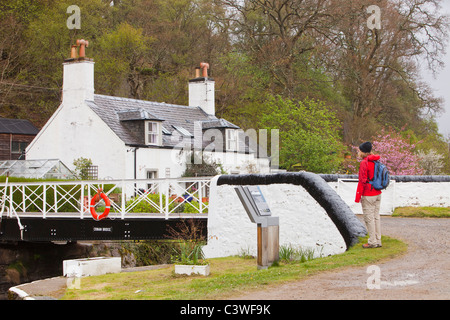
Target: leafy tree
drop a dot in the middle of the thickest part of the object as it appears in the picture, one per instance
(36, 42)
(309, 134)
(397, 153)
(82, 167)
(379, 68)
(122, 59)
(431, 162)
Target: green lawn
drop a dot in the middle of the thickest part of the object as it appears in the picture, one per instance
(421, 212)
(229, 276)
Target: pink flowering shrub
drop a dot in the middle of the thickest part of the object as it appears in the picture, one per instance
(397, 153)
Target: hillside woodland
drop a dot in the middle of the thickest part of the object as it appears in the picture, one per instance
(329, 74)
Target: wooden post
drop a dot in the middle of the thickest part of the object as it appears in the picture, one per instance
(268, 246)
(273, 249)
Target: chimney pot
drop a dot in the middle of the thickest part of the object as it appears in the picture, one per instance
(83, 44)
(73, 52)
(205, 67)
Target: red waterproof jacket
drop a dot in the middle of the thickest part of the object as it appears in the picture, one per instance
(366, 172)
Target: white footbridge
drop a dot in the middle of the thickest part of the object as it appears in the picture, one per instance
(100, 209)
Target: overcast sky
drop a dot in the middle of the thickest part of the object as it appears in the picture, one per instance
(441, 84)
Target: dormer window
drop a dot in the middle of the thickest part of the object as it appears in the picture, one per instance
(231, 139)
(152, 133)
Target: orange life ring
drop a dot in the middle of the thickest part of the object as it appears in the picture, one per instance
(94, 201)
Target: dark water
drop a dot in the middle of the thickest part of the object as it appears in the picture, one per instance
(23, 262)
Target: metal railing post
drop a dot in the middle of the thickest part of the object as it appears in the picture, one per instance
(82, 201)
(11, 206)
(23, 199)
(44, 201)
(167, 190)
(56, 198)
(200, 197)
(122, 213)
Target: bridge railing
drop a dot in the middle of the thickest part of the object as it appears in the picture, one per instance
(128, 198)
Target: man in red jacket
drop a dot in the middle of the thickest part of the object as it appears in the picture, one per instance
(369, 197)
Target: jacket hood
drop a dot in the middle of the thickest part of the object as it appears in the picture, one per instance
(373, 157)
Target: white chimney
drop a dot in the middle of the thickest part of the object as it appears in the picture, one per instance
(78, 77)
(201, 90)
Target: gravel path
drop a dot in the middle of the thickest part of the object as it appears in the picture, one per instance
(422, 273)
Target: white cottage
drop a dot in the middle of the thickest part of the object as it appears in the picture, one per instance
(129, 138)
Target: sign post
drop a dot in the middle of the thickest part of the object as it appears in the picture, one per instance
(267, 226)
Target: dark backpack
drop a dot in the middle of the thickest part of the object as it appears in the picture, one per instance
(381, 176)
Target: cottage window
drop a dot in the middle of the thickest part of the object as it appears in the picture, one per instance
(230, 140)
(152, 133)
(18, 147)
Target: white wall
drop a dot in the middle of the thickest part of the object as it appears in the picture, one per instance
(75, 131)
(153, 159)
(399, 194)
(303, 222)
(240, 163)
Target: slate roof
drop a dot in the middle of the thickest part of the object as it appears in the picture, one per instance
(17, 126)
(136, 114)
(114, 111)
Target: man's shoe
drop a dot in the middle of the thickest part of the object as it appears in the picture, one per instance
(367, 246)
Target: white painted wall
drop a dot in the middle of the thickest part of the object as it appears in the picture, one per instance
(75, 131)
(303, 222)
(399, 194)
(160, 159)
(240, 163)
(201, 94)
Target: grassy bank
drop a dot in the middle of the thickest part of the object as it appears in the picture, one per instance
(422, 212)
(229, 276)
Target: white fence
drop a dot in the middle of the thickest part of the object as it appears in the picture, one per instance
(128, 198)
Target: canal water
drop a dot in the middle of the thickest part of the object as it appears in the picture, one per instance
(23, 262)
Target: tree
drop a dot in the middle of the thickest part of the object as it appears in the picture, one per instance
(82, 167)
(309, 136)
(122, 58)
(397, 153)
(277, 34)
(35, 41)
(431, 162)
(379, 67)
(183, 35)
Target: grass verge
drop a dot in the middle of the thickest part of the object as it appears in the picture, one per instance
(230, 276)
(422, 212)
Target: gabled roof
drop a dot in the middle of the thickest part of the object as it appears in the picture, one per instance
(17, 126)
(115, 111)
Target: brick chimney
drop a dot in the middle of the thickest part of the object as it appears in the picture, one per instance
(78, 77)
(201, 90)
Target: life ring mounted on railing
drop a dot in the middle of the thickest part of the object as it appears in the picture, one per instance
(94, 200)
